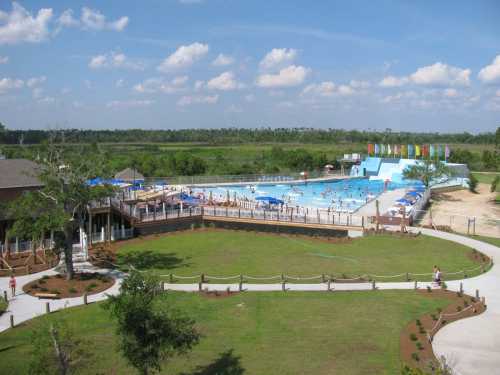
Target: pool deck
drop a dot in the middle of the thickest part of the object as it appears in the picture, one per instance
(386, 200)
(289, 182)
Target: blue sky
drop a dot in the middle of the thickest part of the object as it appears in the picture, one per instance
(166, 64)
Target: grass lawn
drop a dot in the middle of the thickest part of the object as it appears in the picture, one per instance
(229, 253)
(3, 305)
(258, 333)
(491, 240)
(486, 178)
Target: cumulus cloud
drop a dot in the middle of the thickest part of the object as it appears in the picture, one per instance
(491, 73)
(91, 19)
(287, 77)
(450, 93)
(114, 60)
(438, 74)
(184, 57)
(35, 81)
(391, 81)
(7, 84)
(21, 26)
(197, 99)
(124, 104)
(4, 59)
(277, 57)
(359, 84)
(441, 74)
(225, 82)
(154, 85)
(223, 60)
(328, 89)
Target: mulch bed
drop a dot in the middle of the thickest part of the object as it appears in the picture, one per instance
(415, 335)
(217, 294)
(90, 283)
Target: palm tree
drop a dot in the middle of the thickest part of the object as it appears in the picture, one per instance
(426, 171)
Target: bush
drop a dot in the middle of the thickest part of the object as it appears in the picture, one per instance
(35, 286)
(46, 277)
(3, 305)
(418, 322)
(55, 291)
(494, 184)
(421, 330)
(42, 281)
(44, 289)
(72, 290)
(413, 337)
(434, 317)
(59, 276)
(419, 345)
(473, 183)
(415, 356)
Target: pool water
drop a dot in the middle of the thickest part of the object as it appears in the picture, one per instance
(345, 195)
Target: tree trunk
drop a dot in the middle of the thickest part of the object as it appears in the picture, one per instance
(68, 254)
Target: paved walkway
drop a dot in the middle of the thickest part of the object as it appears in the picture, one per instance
(25, 307)
(471, 346)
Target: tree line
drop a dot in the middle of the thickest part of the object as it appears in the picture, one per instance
(248, 135)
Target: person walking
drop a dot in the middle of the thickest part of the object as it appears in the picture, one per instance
(12, 284)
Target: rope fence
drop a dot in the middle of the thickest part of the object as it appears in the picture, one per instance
(324, 277)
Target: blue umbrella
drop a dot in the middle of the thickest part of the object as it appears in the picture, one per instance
(271, 200)
(413, 194)
(406, 202)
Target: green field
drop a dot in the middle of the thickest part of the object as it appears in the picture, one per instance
(491, 240)
(257, 333)
(486, 178)
(228, 253)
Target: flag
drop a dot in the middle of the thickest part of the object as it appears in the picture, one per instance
(382, 149)
(425, 151)
(417, 150)
(389, 150)
(431, 151)
(440, 151)
(410, 151)
(376, 149)
(370, 149)
(446, 152)
(403, 151)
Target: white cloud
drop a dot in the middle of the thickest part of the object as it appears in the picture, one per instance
(7, 84)
(21, 26)
(399, 96)
(491, 73)
(440, 74)
(290, 76)
(120, 83)
(37, 92)
(123, 104)
(277, 57)
(91, 19)
(326, 88)
(198, 85)
(203, 99)
(184, 57)
(391, 81)
(154, 85)
(345, 90)
(114, 60)
(223, 60)
(47, 100)
(35, 81)
(4, 59)
(225, 82)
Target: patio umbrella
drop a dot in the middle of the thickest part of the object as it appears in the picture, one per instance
(403, 201)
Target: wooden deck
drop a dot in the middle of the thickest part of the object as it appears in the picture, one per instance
(281, 223)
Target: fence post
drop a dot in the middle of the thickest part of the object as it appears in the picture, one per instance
(85, 301)
(240, 286)
(5, 296)
(239, 213)
(323, 278)
(373, 285)
(170, 278)
(477, 293)
(11, 321)
(329, 285)
(47, 307)
(415, 286)
(461, 288)
(283, 286)
(407, 276)
(162, 285)
(202, 278)
(200, 286)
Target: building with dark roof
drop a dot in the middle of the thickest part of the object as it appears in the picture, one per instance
(16, 177)
(129, 175)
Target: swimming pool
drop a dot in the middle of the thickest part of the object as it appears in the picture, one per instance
(345, 195)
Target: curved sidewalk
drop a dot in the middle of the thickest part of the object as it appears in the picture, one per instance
(25, 307)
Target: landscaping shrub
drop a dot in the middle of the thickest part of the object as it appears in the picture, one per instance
(72, 290)
(45, 277)
(415, 356)
(55, 291)
(418, 322)
(44, 289)
(413, 337)
(473, 183)
(41, 282)
(419, 345)
(434, 317)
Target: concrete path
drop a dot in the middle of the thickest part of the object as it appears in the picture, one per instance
(471, 346)
(24, 307)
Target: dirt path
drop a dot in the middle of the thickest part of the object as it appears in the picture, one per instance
(454, 208)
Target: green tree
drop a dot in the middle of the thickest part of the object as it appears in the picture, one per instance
(63, 203)
(497, 138)
(473, 183)
(426, 171)
(494, 184)
(56, 350)
(150, 331)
